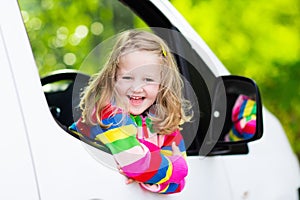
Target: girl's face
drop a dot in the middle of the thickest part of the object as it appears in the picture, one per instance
(138, 79)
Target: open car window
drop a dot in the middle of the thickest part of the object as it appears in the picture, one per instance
(74, 35)
(65, 36)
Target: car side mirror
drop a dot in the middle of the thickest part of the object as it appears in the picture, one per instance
(236, 111)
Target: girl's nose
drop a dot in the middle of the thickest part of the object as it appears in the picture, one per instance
(137, 88)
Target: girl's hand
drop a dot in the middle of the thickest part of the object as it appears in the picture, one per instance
(175, 150)
(128, 180)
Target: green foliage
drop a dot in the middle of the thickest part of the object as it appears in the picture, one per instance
(63, 32)
(260, 40)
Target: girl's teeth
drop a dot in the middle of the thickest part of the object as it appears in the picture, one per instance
(136, 98)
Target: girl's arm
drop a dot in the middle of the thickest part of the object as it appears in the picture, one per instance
(140, 160)
(174, 149)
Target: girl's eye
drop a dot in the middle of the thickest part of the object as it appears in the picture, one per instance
(149, 80)
(126, 77)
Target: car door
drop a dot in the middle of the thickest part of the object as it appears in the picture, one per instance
(64, 35)
(17, 170)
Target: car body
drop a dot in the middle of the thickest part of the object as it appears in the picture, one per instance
(40, 160)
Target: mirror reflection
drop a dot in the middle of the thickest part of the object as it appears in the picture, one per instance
(238, 104)
(243, 118)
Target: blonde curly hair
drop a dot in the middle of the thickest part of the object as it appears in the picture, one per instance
(172, 108)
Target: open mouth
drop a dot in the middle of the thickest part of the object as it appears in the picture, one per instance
(136, 100)
(135, 97)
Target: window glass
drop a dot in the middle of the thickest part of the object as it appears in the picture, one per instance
(78, 35)
(63, 32)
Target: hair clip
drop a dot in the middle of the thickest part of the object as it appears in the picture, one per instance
(163, 51)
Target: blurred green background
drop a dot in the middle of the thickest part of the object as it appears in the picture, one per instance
(256, 39)
(260, 40)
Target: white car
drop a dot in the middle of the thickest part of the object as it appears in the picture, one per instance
(41, 159)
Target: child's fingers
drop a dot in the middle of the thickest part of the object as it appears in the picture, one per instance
(129, 181)
(175, 150)
(121, 172)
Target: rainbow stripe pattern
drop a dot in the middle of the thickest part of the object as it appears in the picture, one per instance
(243, 118)
(142, 154)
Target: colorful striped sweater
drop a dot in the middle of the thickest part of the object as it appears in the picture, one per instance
(142, 154)
(243, 118)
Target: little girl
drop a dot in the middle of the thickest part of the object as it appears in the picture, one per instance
(135, 107)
